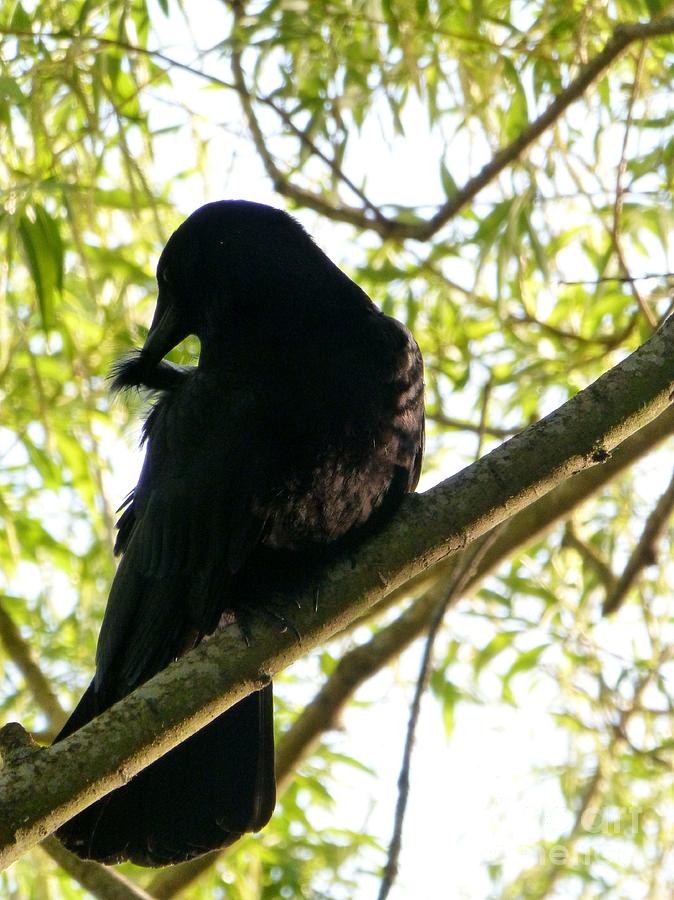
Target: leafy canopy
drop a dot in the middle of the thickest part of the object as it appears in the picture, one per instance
(523, 281)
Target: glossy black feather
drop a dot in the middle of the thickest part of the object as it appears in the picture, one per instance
(300, 431)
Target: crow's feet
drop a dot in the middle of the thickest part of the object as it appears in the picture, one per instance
(274, 610)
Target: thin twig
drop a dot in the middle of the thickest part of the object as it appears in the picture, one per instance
(595, 785)
(607, 340)
(484, 407)
(644, 553)
(590, 556)
(616, 235)
(463, 425)
(590, 793)
(462, 574)
(621, 279)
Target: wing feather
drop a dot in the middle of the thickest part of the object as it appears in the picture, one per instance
(187, 529)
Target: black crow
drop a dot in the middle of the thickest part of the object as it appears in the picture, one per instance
(298, 432)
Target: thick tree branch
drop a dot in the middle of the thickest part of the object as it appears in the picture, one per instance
(99, 880)
(321, 714)
(364, 661)
(17, 746)
(528, 526)
(40, 793)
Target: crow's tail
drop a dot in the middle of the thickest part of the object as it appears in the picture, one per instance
(202, 795)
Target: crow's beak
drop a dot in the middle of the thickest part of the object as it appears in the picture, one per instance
(166, 332)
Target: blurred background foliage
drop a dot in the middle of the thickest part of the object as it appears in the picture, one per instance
(364, 118)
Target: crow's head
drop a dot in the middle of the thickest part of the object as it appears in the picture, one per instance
(240, 276)
(227, 262)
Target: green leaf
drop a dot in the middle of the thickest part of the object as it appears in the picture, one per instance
(42, 245)
(517, 115)
(525, 662)
(10, 90)
(21, 20)
(118, 198)
(496, 645)
(448, 184)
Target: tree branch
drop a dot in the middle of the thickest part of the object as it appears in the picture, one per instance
(623, 36)
(100, 881)
(462, 573)
(464, 425)
(363, 662)
(644, 553)
(20, 654)
(42, 792)
(281, 184)
(591, 557)
(615, 231)
(370, 217)
(103, 883)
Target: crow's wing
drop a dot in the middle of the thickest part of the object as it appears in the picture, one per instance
(186, 531)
